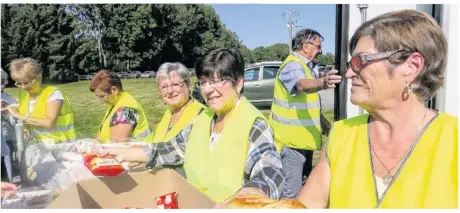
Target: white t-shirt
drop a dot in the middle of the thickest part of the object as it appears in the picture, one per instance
(57, 95)
(381, 186)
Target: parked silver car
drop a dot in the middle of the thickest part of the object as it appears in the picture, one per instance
(259, 82)
(148, 74)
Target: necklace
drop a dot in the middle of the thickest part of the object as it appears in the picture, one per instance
(388, 178)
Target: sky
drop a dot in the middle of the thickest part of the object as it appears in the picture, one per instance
(264, 25)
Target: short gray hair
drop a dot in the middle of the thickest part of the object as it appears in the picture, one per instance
(303, 36)
(4, 78)
(167, 68)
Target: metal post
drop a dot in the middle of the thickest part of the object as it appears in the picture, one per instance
(20, 153)
(341, 55)
(290, 24)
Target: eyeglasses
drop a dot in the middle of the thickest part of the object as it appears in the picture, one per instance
(103, 98)
(24, 84)
(316, 45)
(175, 86)
(359, 62)
(213, 83)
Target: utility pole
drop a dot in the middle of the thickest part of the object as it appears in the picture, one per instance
(289, 17)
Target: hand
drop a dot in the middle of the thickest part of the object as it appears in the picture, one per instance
(126, 154)
(8, 188)
(13, 110)
(331, 79)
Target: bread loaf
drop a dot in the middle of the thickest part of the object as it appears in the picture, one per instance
(259, 202)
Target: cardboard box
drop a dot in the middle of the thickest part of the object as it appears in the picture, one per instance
(135, 190)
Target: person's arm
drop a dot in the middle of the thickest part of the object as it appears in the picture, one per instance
(53, 110)
(122, 124)
(315, 85)
(315, 192)
(294, 79)
(263, 173)
(156, 155)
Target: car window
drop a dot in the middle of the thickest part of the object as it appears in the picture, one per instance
(270, 72)
(251, 74)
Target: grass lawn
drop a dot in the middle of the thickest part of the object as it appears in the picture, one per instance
(89, 110)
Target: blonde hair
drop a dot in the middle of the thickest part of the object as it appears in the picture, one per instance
(410, 31)
(25, 69)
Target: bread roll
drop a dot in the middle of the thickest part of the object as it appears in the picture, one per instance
(259, 202)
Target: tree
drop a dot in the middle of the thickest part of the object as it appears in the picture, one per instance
(327, 59)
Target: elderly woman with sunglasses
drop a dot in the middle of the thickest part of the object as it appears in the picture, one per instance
(174, 84)
(45, 110)
(124, 119)
(401, 154)
(230, 149)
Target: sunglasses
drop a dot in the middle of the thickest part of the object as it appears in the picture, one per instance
(359, 62)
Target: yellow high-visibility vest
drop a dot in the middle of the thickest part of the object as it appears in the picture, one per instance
(64, 132)
(296, 119)
(188, 115)
(142, 131)
(428, 177)
(219, 174)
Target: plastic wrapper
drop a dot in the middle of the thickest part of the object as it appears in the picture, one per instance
(102, 166)
(56, 167)
(29, 198)
(167, 201)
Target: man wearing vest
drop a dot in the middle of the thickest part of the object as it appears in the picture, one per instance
(296, 108)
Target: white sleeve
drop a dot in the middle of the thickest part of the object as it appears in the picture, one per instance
(57, 95)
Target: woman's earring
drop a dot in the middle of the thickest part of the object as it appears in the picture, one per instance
(408, 88)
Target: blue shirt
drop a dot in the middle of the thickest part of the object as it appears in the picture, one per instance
(293, 71)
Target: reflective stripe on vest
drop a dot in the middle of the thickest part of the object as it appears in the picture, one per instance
(296, 119)
(428, 177)
(219, 173)
(35, 132)
(64, 130)
(186, 118)
(142, 132)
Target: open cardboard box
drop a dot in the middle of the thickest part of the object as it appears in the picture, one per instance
(134, 190)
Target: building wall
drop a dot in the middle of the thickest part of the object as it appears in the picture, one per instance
(448, 99)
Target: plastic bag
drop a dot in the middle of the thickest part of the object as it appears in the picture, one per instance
(29, 198)
(167, 201)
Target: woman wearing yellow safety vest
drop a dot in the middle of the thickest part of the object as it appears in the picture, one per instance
(230, 149)
(124, 119)
(45, 109)
(174, 85)
(402, 154)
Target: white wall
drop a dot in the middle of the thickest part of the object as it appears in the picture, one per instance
(448, 95)
(448, 102)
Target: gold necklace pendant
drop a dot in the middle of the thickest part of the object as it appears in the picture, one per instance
(387, 179)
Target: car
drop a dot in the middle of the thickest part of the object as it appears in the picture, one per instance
(84, 77)
(192, 71)
(148, 74)
(123, 75)
(134, 74)
(259, 83)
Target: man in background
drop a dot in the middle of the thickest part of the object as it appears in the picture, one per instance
(296, 108)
